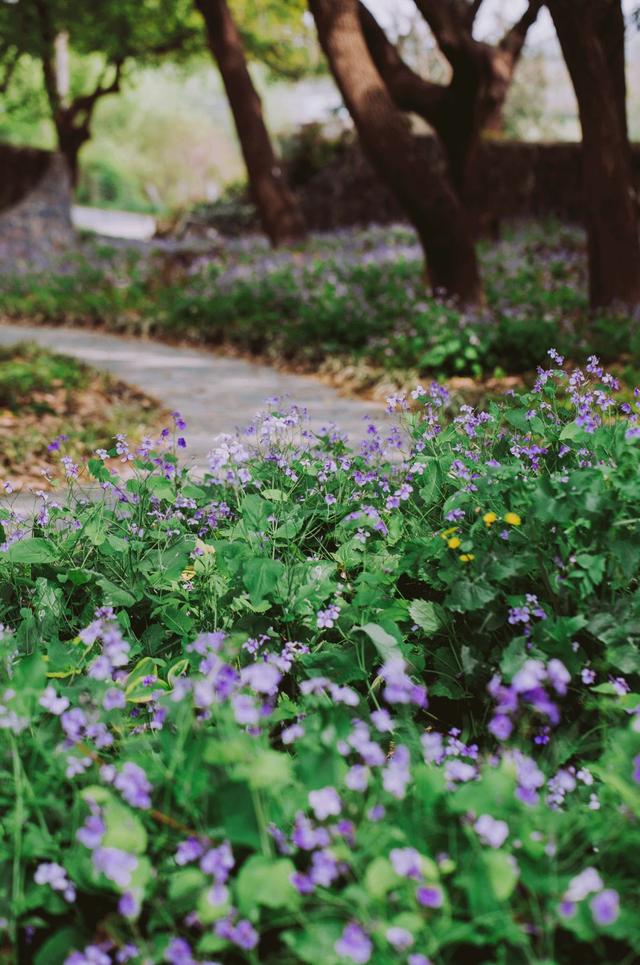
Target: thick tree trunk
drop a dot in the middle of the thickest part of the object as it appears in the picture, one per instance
(278, 209)
(417, 175)
(591, 34)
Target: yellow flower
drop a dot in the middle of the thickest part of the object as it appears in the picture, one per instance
(512, 519)
(448, 532)
(453, 543)
(467, 557)
(489, 519)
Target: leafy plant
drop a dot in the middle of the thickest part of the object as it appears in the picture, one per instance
(331, 707)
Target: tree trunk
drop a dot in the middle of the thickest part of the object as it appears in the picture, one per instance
(591, 34)
(415, 173)
(70, 141)
(278, 209)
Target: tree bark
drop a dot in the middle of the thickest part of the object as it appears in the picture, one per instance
(277, 207)
(591, 34)
(418, 178)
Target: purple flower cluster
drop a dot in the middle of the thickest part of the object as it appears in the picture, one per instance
(528, 687)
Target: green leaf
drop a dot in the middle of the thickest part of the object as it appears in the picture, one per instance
(425, 614)
(59, 946)
(260, 577)
(503, 873)
(380, 877)
(124, 829)
(270, 769)
(113, 594)
(31, 550)
(385, 644)
(184, 888)
(466, 596)
(263, 881)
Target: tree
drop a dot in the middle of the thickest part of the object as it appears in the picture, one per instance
(414, 171)
(591, 34)
(481, 74)
(108, 34)
(278, 209)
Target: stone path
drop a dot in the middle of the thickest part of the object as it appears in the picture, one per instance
(213, 393)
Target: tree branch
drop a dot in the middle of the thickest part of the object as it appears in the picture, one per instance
(409, 91)
(514, 39)
(450, 25)
(474, 9)
(84, 105)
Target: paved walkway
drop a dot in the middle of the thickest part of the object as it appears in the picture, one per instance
(213, 393)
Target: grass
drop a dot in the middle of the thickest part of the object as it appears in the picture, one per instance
(44, 395)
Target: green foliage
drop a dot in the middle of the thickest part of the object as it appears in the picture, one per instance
(356, 298)
(203, 762)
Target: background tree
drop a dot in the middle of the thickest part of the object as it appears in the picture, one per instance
(277, 206)
(481, 74)
(414, 170)
(591, 34)
(108, 34)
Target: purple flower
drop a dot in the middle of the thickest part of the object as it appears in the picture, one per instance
(432, 747)
(134, 786)
(490, 831)
(324, 868)
(113, 699)
(92, 831)
(429, 896)
(263, 677)
(400, 938)
(406, 862)
(245, 710)
(326, 619)
(91, 955)
(636, 769)
(179, 953)
(382, 721)
(302, 883)
(583, 884)
(51, 702)
(357, 778)
(605, 907)
(188, 851)
(501, 727)
(54, 875)
(115, 864)
(396, 775)
(400, 689)
(354, 944)
(218, 862)
(559, 676)
(129, 905)
(325, 803)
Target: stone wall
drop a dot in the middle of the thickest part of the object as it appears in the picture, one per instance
(35, 208)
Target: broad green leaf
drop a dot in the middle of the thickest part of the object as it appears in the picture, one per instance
(264, 881)
(385, 644)
(260, 577)
(425, 614)
(31, 550)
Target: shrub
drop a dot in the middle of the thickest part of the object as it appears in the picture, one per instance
(333, 707)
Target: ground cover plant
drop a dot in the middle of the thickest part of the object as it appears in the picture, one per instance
(330, 706)
(47, 400)
(354, 300)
